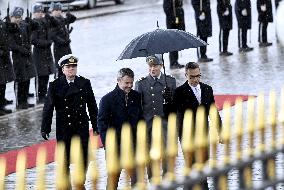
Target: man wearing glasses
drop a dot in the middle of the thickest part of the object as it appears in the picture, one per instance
(191, 95)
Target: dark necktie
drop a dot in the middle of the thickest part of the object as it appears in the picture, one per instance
(71, 84)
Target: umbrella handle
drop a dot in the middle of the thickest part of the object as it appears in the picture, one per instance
(164, 70)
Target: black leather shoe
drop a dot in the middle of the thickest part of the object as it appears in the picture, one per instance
(4, 111)
(176, 66)
(205, 59)
(245, 49)
(265, 44)
(225, 53)
(25, 106)
(31, 95)
(7, 102)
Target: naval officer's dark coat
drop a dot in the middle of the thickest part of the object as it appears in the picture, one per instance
(114, 111)
(70, 103)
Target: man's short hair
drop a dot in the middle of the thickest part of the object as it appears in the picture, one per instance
(191, 65)
(125, 72)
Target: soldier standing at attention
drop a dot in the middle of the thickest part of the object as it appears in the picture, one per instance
(24, 68)
(203, 24)
(42, 56)
(61, 33)
(174, 20)
(70, 95)
(243, 14)
(224, 10)
(264, 9)
(155, 96)
(6, 68)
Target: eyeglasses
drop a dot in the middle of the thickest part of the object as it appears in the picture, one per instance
(195, 76)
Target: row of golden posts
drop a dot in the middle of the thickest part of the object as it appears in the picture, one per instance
(194, 146)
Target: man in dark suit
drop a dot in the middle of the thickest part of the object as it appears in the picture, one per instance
(70, 95)
(174, 20)
(119, 106)
(191, 95)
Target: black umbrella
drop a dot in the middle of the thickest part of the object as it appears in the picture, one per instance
(160, 41)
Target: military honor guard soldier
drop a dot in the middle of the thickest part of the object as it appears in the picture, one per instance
(203, 24)
(23, 65)
(224, 10)
(6, 68)
(61, 33)
(42, 56)
(243, 14)
(174, 20)
(70, 96)
(264, 9)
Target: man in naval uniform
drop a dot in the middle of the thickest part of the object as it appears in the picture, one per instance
(70, 95)
(156, 90)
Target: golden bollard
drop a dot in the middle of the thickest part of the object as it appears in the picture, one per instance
(142, 154)
(94, 171)
(40, 163)
(187, 143)
(201, 142)
(112, 162)
(226, 138)
(261, 120)
(172, 147)
(213, 134)
(76, 157)
(62, 179)
(21, 171)
(2, 173)
(156, 151)
(239, 127)
(281, 116)
(127, 155)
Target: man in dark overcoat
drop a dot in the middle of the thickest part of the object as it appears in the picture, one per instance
(42, 56)
(174, 20)
(264, 9)
(122, 105)
(203, 24)
(24, 68)
(243, 14)
(6, 68)
(70, 95)
(191, 95)
(60, 33)
(224, 11)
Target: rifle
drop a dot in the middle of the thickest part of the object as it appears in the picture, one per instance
(8, 12)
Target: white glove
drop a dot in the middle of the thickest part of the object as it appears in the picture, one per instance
(202, 16)
(263, 7)
(244, 12)
(226, 13)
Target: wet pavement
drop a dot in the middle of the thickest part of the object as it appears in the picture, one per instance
(98, 42)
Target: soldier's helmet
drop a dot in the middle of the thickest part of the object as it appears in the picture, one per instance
(55, 6)
(17, 12)
(38, 8)
(154, 59)
(69, 59)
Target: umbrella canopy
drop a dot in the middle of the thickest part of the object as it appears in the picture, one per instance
(160, 41)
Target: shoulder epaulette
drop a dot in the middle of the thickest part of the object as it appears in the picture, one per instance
(82, 77)
(142, 78)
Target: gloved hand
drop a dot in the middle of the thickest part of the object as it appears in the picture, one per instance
(263, 7)
(28, 20)
(226, 13)
(45, 135)
(202, 16)
(168, 95)
(244, 12)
